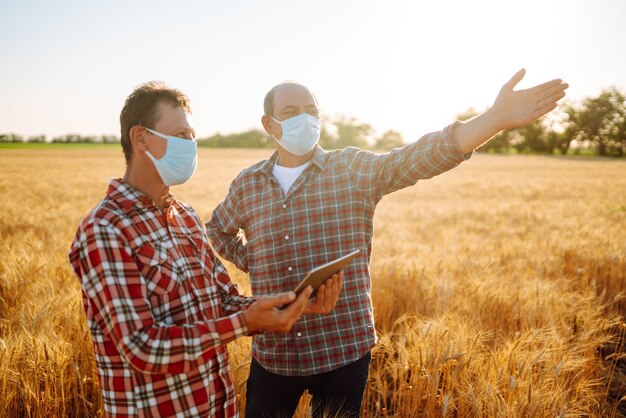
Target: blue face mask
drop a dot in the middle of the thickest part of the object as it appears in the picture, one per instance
(179, 162)
(300, 133)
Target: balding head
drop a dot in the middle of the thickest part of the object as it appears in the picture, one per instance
(288, 88)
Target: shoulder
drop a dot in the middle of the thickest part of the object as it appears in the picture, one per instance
(107, 215)
(347, 156)
(248, 175)
(192, 219)
(252, 170)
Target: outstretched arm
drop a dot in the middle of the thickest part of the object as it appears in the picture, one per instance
(511, 109)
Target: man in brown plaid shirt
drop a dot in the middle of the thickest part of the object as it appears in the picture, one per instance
(305, 206)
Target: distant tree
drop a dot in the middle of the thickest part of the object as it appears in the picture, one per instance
(10, 137)
(533, 137)
(37, 139)
(559, 132)
(601, 120)
(351, 133)
(327, 140)
(109, 139)
(390, 139)
(500, 142)
(467, 114)
(249, 139)
(558, 141)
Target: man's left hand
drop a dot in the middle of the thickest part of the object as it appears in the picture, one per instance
(327, 296)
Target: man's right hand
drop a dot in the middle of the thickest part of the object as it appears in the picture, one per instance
(264, 315)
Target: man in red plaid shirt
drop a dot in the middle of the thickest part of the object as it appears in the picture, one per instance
(160, 306)
(305, 206)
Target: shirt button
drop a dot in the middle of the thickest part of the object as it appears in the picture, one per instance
(286, 236)
(289, 268)
(284, 206)
(299, 334)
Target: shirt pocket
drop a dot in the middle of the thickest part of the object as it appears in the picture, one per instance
(198, 241)
(157, 268)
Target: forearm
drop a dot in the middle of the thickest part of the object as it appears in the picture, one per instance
(375, 175)
(163, 348)
(228, 246)
(478, 130)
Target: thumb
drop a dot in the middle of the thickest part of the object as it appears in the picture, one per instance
(515, 79)
(279, 300)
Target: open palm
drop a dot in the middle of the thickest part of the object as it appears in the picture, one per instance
(517, 108)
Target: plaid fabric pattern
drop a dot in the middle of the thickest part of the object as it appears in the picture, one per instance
(326, 213)
(160, 307)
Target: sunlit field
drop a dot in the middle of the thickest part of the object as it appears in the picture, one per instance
(498, 287)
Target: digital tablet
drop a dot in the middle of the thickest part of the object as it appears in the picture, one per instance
(320, 274)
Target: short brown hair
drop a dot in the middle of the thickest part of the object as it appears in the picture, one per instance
(141, 108)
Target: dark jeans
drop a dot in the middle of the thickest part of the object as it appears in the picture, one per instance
(335, 393)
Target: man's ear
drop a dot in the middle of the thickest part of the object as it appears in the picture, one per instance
(138, 136)
(274, 130)
(265, 120)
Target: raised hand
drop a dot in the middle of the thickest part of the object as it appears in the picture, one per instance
(511, 109)
(516, 108)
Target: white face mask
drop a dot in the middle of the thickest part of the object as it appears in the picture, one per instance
(300, 133)
(179, 162)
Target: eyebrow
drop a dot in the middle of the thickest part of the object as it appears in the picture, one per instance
(185, 129)
(292, 107)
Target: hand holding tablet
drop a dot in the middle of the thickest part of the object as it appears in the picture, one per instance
(320, 274)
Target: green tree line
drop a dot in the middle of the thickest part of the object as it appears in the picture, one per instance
(594, 125)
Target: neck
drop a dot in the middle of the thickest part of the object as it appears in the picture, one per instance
(143, 177)
(287, 159)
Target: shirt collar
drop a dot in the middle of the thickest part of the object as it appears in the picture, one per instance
(126, 196)
(267, 166)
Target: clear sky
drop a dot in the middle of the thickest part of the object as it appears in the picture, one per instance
(67, 66)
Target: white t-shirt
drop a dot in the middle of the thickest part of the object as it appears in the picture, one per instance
(287, 176)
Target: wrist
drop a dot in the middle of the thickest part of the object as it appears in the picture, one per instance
(249, 322)
(495, 120)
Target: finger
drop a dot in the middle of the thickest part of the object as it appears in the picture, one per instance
(338, 283)
(543, 110)
(320, 294)
(297, 307)
(552, 90)
(515, 79)
(540, 88)
(552, 99)
(277, 300)
(328, 295)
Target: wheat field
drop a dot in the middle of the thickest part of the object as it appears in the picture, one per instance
(498, 287)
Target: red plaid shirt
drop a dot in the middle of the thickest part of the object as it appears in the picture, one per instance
(328, 212)
(160, 307)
